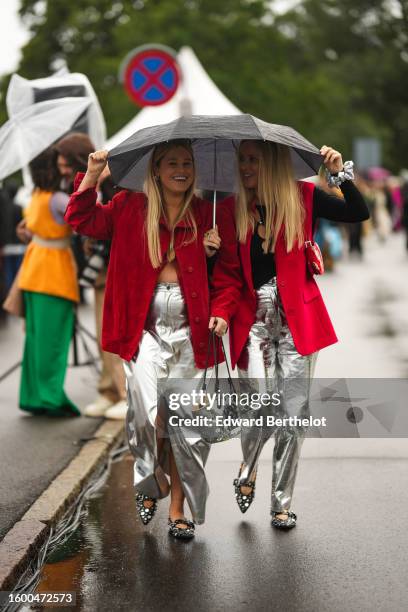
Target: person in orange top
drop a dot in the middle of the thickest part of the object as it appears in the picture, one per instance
(73, 151)
(48, 279)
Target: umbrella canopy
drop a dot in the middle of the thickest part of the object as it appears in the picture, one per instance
(22, 93)
(215, 141)
(33, 129)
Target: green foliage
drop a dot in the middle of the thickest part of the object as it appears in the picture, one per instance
(362, 47)
(333, 70)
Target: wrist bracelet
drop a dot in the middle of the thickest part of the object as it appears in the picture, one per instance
(347, 174)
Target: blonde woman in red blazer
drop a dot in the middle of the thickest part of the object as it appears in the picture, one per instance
(282, 321)
(156, 314)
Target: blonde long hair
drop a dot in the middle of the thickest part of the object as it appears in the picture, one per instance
(279, 193)
(155, 208)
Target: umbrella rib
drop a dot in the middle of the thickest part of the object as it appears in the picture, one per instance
(215, 183)
(257, 128)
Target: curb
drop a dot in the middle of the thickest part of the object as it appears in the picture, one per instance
(25, 538)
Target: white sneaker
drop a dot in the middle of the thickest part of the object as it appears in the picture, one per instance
(117, 411)
(98, 407)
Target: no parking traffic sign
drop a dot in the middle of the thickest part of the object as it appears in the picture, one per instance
(150, 75)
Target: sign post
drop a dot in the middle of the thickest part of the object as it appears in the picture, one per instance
(150, 75)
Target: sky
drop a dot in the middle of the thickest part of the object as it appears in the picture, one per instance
(13, 34)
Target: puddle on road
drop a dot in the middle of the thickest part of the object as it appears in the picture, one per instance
(75, 565)
(115, 564)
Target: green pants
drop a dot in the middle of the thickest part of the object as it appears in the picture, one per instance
(49, 328)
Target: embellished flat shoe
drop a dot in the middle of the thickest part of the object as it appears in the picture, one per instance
(181, 533)
(244, 500)
(282, 523)
(146, 513)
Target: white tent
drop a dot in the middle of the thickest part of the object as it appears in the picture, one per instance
(196, 95)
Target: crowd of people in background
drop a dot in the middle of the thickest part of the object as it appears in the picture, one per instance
(387, 199)
(25, 225)
(385, 195)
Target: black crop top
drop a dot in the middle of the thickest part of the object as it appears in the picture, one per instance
(352, 209)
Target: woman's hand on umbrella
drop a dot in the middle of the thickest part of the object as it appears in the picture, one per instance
(218, 325)
(95, 172)
(212, 241)
(97, 162)
(332, 159)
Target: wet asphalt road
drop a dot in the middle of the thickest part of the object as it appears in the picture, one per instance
(35, 449)
(348, 551)
(367, 302)
(344, 554)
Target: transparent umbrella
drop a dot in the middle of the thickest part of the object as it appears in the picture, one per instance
(22, 93)
(33, 129)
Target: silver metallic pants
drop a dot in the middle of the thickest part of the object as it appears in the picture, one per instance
(274, 366)
(165, 352)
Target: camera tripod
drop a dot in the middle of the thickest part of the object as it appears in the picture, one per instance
(80, 337)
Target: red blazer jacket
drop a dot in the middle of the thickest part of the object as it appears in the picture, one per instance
(131, 278)
(307, 317)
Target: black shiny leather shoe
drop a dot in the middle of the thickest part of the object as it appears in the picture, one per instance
(181, 533)
(146, 513)
(244, 501)
(284, 524)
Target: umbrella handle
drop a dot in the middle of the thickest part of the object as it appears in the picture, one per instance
(215, 183)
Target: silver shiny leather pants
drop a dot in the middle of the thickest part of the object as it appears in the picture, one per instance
(274, 365)
(165, 352)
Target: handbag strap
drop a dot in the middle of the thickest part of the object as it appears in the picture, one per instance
(211, 342)
(226, 363)
(213, 339)
(217, 381)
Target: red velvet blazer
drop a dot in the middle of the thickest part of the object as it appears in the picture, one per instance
(303, 304)
(131, 278)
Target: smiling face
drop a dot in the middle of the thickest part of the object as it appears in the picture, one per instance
(249, 157)
(175, 171)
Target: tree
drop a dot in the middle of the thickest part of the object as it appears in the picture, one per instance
(362, 48)
(94, 38)
(333, 70)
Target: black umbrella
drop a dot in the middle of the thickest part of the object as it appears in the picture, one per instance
(215, 140)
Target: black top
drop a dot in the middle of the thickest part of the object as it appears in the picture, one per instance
(326, 206)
